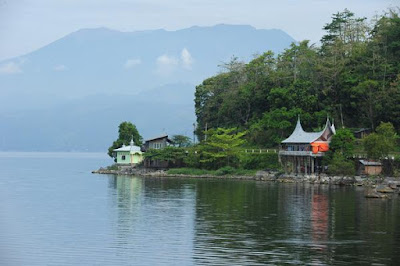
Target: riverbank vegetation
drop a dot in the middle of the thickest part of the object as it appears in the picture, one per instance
(221, 151)
(227, 170)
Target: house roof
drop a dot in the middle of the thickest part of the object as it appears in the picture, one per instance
(369, 163)
(128, 148)
(159, 137)
(300, 136)
(362, 130)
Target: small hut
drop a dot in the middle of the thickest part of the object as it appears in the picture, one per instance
(128, 154)
(362, 133)
(369, 167)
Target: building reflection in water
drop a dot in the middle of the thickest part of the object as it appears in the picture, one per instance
(154, 219)
(319, 219)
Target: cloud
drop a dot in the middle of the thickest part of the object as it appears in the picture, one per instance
(166, 64)
(60, 68)
(130, 63)
(10, 68)
(187, 59)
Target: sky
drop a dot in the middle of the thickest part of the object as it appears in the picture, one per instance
(26, 25)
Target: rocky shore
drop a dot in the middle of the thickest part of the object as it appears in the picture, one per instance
(377, 187)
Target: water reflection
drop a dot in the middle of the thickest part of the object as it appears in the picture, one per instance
(239, 222)
(154, 219)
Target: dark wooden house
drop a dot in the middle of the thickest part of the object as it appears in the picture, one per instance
(159, 142)
(362, 133)
(156, 143)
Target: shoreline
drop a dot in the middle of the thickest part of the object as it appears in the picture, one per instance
(378, 187)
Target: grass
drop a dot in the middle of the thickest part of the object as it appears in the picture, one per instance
(220, 172)
(112, 167)
(190, 171)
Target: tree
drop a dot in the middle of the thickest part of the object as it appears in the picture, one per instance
(339, 165)
(367, 93)
(273, 127)
(373, 146)
(353, 77)
(181, 141)
(343, 142)
(126, 132)
(222, 147)
(173, 155)
(378, 145)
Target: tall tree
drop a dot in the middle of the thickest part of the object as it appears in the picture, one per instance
(222, 147)
(126, 132)
(343, 142)
(181, 141)
(379, 145)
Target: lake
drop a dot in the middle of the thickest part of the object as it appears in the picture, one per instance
(55, 212)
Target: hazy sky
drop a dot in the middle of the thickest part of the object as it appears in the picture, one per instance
(26, 25)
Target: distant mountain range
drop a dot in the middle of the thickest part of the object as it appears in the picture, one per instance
(71, 94)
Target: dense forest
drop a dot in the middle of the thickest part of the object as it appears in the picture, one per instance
(353, 77)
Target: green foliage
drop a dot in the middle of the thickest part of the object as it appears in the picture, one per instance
(272, 128)
(112, 167)
(174, 155)
(343, 142)
(378, 145)
(259, 161)
(190, 171)
(181, 141)
(193, 157)
(373, 146)
(222, 147)
(126, 132)
(339, 165)
(202, 172)
(354, 77)
(226, 170)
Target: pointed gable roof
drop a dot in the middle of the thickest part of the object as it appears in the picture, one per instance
(300, 136)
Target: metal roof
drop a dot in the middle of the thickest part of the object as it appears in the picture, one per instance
(362, 130)
(369, 163)
(159, 137)
(300, 136)
(128, 148)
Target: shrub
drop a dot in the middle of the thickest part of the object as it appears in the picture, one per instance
(227, 170)
(189, 171)
(259, 161)
(112, 167)
(340, 166)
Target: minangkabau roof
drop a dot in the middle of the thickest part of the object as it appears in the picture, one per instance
(300, 136)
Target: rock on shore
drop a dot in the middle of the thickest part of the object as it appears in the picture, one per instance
(380, 186)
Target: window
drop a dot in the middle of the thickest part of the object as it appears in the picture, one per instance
(123, 157)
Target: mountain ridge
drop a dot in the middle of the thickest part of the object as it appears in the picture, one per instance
(156, 70)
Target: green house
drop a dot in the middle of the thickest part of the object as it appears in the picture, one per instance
(128, 154)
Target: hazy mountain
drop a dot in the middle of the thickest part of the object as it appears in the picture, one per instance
(91, 123)
(73, 93)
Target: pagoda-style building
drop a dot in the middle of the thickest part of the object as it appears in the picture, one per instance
(302, 152)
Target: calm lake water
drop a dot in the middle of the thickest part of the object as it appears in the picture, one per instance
(55, 212)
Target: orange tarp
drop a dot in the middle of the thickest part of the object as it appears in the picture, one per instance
(319, 147)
